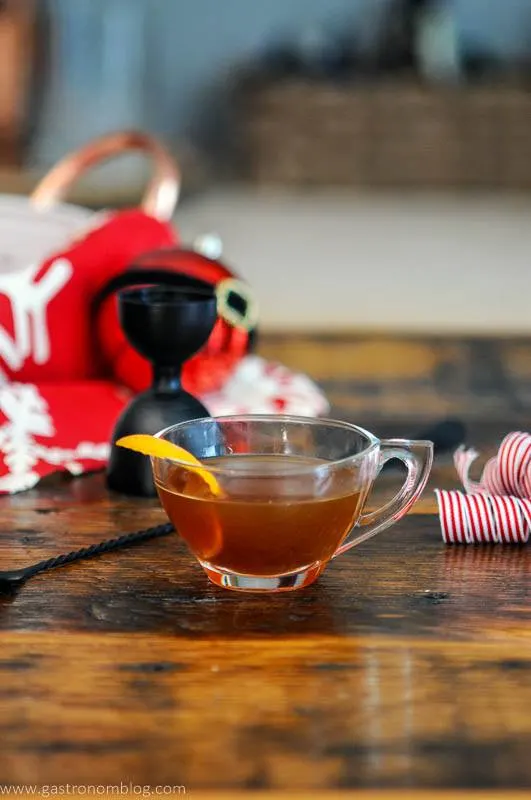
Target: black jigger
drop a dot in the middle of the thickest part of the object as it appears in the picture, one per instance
(167, 325)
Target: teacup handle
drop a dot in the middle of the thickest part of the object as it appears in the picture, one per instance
(418, 458)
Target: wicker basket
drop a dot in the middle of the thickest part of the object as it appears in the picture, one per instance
(392, 135)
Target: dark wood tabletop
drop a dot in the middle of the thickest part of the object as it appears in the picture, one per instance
(407, 666)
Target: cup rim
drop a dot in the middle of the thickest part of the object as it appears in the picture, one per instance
(373, 441)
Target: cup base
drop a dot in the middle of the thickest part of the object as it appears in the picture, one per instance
(260, 583)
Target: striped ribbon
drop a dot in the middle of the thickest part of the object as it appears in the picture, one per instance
(497, 508)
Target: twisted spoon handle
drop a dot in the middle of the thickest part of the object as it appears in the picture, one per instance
(10, 579)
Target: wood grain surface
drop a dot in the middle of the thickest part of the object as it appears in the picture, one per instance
(407, 666)
(362, 795)
(144, 791)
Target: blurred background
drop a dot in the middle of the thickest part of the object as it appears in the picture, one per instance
(366, 163)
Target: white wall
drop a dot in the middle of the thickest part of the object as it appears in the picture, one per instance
(166, 60)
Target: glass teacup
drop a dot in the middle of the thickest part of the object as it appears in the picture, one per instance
(292, 491)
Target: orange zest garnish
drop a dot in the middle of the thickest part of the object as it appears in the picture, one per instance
(162, 448)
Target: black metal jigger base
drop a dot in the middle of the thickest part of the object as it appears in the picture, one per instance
(167, 325)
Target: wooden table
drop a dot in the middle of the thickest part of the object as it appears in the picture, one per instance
(406, 667)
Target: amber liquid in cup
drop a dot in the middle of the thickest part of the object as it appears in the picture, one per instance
(281, 515)
(287, 495)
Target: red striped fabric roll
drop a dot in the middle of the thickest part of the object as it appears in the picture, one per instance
(497, 508)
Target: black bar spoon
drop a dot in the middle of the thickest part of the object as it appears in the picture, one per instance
(11, 580)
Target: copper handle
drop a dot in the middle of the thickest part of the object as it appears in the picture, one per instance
(161, 194)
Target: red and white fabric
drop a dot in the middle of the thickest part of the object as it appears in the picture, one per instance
(258, 386)
(67, 427)
(61, 393)
(66, 369)
(497, 508)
